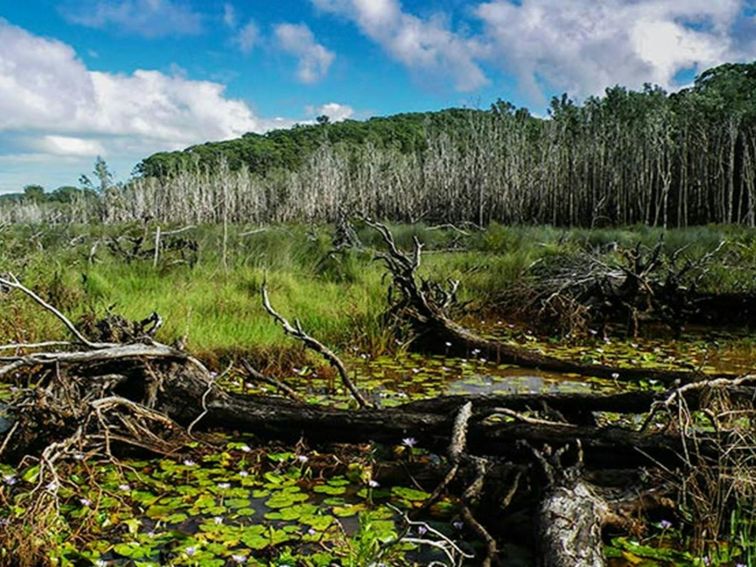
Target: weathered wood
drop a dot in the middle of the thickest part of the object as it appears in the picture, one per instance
(569, 527)
(424, 304)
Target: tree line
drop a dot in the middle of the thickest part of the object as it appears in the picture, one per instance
(623, 158)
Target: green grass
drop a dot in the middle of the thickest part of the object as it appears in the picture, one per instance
(216, 304)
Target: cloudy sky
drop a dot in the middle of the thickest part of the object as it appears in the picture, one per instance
(125, 78)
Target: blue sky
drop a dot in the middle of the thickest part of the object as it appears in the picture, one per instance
(125, 78)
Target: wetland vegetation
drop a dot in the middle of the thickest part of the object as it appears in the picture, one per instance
(545, 355)
(226, 497)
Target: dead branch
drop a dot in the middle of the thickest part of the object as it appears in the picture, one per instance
(9, 282)
(298, 333)
(258, 376)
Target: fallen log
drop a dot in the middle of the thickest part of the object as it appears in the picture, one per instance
(424, 304)
(184, 392)
(151, 396)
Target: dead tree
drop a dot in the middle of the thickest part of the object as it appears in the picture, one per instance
(575, 293)
(424, 304)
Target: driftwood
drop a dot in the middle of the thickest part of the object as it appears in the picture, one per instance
(424, 304)
(587, 291)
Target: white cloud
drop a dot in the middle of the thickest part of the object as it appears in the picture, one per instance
(583, 46)
(314, 59)
(425, 46)
(333, 110)
(148, 18)
(229, 15)
(69, 146)
(247, 37)
(51, 103)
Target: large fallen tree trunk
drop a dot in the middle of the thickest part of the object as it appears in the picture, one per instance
(173, 384)
(91, 397)
(424, 304)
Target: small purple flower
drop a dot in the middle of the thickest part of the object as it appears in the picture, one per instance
(422, 530)
(409, 442)
(191, 550)
(10, 479)
(458, 525)
(124, 487)
(239, 558)
(311, 531)
(302, 458)
(85, 502)
(665, 524)
(189, 463)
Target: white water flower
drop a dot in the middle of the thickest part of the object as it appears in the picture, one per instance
(189, 463)
(239, 558)
(302, 458)
(246, 448)
(124, 487)
(217, 520)
(224, 485)
(243, 474)
(409, 442)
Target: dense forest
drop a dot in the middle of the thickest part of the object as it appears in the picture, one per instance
(626, 157)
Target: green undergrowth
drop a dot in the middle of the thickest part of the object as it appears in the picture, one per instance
(210, 298)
